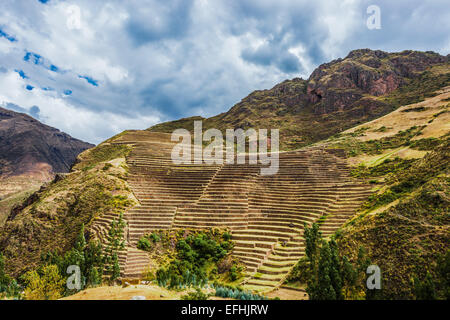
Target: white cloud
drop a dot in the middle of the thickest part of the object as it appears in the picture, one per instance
(158, 60)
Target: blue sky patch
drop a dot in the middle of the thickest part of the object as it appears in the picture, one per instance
(8, 37)
(67, 92)
(43, 1)
(21, 74)
(39, 61)
(33, 57)
(89, 80)
(29, 87)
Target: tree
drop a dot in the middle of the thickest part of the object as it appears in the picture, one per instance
(425, 290)
(93, 255)
(321, 287)
(45, 285)
(115, 268)
(4, 278)
(80, 243)
(94, 277)
(313, 238)
(115, 243)
(335, 270)
(349, 277)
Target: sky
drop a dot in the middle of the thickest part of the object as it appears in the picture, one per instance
(94, 68)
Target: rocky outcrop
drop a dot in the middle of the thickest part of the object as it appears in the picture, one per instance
(339, 84)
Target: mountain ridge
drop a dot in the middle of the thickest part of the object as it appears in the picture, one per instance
(366, 84)
(31, 153)
(20, 149)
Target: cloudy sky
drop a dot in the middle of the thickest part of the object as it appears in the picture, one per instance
(95, 68)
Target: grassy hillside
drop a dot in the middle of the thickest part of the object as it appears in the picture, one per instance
(13, 191)
(51, 218)
(405, 227)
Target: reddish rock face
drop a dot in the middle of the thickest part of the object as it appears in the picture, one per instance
(339, 84)
(384, 85)
(30, 147)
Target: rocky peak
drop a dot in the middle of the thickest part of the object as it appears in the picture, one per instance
(27, 146)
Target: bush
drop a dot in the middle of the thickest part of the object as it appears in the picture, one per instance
(196, 295)
(47, 284)
(155, 237)
(144, 244)
(235, 293)
(194, 256)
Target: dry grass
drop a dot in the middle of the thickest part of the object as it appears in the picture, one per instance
(373, 160)
(150, 292)
(288, 294)
(399, 120)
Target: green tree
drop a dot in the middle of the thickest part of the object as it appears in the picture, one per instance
(320, 287)
(115, 243)
(349, 277)
(313, 237)
(335, 270)
(115, 274)
(4, 278)
(48, 284)
(425, 290)
(94, 264)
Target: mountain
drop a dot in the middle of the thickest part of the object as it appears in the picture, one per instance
(31, 153)
(338, 95)
(29, 147)
(375, 175)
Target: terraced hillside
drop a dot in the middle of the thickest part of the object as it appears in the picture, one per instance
(264, 213)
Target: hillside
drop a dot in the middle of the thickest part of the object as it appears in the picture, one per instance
(338, 95)
(30, 154)
(30, 147)
(404, 225)
(377, 127)
(52, 218)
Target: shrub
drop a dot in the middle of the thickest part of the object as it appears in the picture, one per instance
(236, 293)
(144, 244)
(196, 295)
(155, 237)
(45, 285)
(195, 254)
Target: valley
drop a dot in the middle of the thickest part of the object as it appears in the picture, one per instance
(364, 158)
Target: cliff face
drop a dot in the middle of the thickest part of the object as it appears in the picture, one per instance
(30, 147)
(337, 85)
(338, 95)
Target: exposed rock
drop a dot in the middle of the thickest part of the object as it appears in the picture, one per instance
(29, 147)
